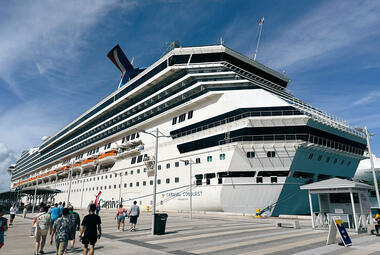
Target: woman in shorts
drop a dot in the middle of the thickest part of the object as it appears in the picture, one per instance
(120, 216)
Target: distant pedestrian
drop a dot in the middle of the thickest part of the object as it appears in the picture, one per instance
(134, 213)
(120, 217)
(25, 210)
(12, 213)
(90, 230)
(3, 227)
(63, 204)
(61, 229)
(55, 213)
(43, 224)
(377, 219)
(60, 205)
(97, 208)
(74, 219)
(88, 207)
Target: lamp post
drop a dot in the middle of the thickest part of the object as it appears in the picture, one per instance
(365, 131)
(155, 135)
(71, 178)
(191, 162)
(35, 194)
(121, 182)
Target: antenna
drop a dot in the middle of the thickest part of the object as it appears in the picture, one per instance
(133, 60)
(221, 41)
(261, 22)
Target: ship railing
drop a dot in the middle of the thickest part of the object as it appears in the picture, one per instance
(299, 104)
(305, 138)
(239, 117)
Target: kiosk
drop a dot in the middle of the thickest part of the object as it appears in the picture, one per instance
(341, 198)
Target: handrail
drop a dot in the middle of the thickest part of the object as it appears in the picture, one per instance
(295, 137)
(238, 117)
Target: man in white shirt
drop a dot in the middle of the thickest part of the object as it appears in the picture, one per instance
(12, 213)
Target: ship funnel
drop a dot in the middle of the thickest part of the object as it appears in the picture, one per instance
(120, 60)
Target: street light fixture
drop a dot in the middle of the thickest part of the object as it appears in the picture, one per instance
(365, 131)
(156, 135)
(191, 162)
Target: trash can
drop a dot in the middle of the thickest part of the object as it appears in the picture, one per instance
(160, 223)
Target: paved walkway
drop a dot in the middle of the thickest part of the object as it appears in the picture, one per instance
(205, 234)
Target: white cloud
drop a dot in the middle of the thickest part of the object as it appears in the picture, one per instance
(370, 97)
(323, 32)
(7, 157)
(41, 37)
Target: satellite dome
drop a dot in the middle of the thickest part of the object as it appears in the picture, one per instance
(44, 138)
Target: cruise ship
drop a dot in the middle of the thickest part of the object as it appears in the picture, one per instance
(227, 126)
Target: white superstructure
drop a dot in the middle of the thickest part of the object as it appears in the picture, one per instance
(252, 144)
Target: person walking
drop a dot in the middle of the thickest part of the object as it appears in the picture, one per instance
(134, 213)
(3, 226)
(97, 208)
(120, 216)
(25, 210)
(90, 230)
(74, 219)
(61, 229)
(43, 224)
(12, 213)
(55, 213)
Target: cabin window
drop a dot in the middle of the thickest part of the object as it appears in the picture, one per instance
(335, 160)
(138, 171)
(190, 115)
(159, 167)
(186, 162)
(167, 165)
(311, 156)
(123, 140)
(176, 164)
(327, 159)
(158, 181)
(131, 184)
(139, 158)
(197, 160)
(181, 117)
(125, 185)
(144, 183)
(209, 158)
(273, 179)
(176, 180)
(168, 180)
(137, 184)
(222, 156)
(151, 182)
(259, 179)
(271, 154)
(319, 158)
(174, 121)
(342, 162)
(250, 154)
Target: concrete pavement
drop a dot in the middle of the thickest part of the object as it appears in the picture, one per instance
(205, 234)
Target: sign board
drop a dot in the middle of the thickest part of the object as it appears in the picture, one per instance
(337, 225)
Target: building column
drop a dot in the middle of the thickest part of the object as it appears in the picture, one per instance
(353, 210)
(311, 211)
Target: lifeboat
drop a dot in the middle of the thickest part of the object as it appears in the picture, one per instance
(108, 157)
(77, 167)
(89, 163)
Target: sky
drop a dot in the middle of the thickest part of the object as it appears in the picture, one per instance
(53, 64)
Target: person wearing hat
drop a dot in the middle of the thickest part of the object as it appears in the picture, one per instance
(43, 223)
